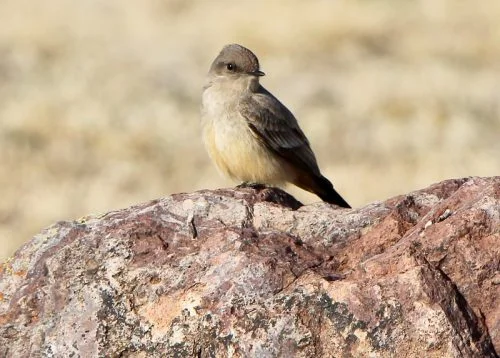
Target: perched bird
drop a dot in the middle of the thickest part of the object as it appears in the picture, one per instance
(250, 135)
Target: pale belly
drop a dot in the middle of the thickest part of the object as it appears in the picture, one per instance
(238, 154)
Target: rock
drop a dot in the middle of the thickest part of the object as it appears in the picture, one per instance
(253, 273)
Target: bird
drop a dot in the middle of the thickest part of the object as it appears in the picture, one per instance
(250, 135)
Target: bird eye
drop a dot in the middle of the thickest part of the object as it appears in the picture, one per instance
(230, 67)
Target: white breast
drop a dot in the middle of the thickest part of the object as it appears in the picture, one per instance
(230, 143)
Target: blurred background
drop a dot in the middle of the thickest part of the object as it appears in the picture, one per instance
(99, 99)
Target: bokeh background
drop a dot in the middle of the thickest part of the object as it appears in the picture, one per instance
(99, 99)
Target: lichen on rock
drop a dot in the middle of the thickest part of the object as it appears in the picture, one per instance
(253, 273)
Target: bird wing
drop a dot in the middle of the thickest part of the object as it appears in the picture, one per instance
(276, 127)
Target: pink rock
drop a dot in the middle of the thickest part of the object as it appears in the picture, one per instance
(252, 273)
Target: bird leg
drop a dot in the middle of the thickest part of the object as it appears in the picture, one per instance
(256, 186)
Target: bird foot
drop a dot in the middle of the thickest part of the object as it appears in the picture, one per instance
(256, 186)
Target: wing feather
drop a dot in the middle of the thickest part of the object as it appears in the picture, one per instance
(276, 127)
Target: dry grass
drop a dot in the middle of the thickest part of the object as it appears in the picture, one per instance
(99, 99)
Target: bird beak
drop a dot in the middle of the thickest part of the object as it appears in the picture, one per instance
(258, 73)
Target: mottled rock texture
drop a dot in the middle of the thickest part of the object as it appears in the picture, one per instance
(250, 272)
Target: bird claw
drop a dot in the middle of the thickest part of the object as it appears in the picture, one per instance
(256, 186)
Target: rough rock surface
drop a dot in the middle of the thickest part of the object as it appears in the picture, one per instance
(252, 273)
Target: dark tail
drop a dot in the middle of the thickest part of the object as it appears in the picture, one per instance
(322, 187)
(331, 196)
